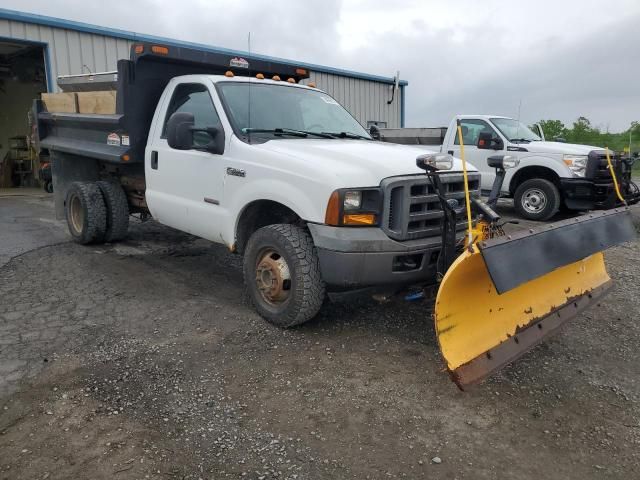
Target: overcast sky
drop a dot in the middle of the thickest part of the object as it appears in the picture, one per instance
(559, 59)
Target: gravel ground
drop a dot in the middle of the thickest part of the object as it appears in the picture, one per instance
(144, 360)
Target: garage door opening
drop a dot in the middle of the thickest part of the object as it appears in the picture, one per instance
(22, 78)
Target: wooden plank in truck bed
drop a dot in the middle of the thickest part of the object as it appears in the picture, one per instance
(103, 102)
(60, 102)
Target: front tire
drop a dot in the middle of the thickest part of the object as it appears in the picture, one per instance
(537, 199)
(282, 275)
(86, 212)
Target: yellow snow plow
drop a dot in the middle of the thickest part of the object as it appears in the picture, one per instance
(505, 293)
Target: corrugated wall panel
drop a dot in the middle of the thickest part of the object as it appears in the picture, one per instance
(69, 50)
(365, 99)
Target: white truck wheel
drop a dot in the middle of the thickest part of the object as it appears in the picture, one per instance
(537, 199)
(282, 275)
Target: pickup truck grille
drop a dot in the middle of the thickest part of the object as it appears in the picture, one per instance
(598, 168)
(412, 208)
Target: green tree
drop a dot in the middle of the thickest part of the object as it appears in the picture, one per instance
(583, 132)
(553, 129)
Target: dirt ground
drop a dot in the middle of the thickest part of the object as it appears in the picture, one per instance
(143, 360)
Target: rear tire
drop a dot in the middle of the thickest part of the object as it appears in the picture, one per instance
(117, 211)
(86, 213)
(282, 275)
(537, 199)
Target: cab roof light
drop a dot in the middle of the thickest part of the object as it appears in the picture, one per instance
(276, 78)
(229, 74)
(160, 50)
(138, 49)
(311, 84)
(291, 80)
(301, 71)
(260, 76)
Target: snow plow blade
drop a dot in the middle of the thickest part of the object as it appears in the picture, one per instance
(498, 301)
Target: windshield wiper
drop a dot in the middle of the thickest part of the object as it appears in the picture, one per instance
(346, 135)
(525, 140)
(286, 131)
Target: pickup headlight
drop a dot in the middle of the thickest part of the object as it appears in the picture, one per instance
(354, 207)
(576, 163)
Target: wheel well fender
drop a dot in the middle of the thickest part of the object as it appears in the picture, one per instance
(533, 171)
(258, 214)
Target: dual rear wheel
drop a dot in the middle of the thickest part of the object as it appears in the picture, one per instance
(96, 212)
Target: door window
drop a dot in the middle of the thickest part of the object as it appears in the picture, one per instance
(471, 130)
(194, 98)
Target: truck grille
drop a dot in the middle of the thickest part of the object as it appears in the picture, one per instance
(598, 168)
(412, 208)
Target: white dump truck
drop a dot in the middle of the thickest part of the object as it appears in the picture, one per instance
(238, 152)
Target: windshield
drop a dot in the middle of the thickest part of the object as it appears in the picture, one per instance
(279, 110)
(514, 130)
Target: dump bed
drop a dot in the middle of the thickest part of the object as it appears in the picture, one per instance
(107, 116)
(414, 136)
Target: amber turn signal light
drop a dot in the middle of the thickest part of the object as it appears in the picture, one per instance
(138, 48)
(332, 216)
(359, 219)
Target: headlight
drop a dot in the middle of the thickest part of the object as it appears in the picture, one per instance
(352, 200)
(576, 163)
(435, 161)
(351, 207)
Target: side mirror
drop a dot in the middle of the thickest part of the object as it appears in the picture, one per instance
(374, 131)
(487, 141)
(182, 135)
(180, 131)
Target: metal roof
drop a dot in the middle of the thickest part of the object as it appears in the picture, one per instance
(138, 37)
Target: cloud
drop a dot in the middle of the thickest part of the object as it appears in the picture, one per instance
(560, 59)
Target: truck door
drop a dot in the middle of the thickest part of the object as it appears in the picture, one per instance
(184, 187)
(471, 129)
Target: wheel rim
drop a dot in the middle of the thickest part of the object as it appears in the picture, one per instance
(534, 200)
(272, 277)
(75, 211)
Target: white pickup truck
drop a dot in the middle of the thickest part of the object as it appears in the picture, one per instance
(277, 171)
(548, 176)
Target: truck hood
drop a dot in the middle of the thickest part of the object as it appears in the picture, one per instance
(558, 147)
(363, 158)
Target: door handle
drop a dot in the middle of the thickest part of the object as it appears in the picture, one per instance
(154, 160)
(450, 152)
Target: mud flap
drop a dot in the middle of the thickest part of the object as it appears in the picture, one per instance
(499, 300)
